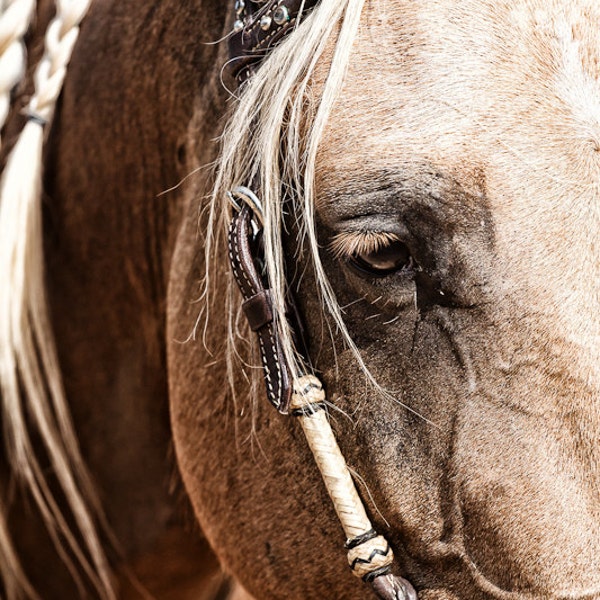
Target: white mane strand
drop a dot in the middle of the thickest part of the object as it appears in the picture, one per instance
(270, 138)
(15, 17)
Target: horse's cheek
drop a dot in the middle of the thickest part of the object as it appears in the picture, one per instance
(247, 471)
(258, 498)
(526, 524)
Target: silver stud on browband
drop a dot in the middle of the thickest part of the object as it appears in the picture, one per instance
(265, 22)
(240, 14)
(281, 15)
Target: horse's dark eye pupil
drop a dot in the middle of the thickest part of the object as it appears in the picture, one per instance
(384, 261)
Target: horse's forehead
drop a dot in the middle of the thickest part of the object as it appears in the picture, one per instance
(557, 37)
(449, 79)
(504, 97)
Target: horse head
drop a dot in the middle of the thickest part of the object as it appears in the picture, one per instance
(408, 193)
(429, 179)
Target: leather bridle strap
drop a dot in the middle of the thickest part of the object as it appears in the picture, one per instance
(244, 242)
(259, 26)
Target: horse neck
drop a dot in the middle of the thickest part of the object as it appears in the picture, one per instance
(120, 138)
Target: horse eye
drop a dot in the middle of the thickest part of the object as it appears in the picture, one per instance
(384, 261)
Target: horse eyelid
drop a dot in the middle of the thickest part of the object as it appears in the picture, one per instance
(347, 244)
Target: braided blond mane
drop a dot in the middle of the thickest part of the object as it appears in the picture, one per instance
(15, 17)
(30, 384)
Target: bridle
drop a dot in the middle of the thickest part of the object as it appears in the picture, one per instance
(259, 25)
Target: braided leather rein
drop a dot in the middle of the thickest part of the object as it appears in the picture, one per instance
(259, 25)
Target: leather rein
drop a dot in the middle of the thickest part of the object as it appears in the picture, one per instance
(260, 25)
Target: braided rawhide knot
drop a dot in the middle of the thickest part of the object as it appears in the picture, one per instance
(308, 396)
(371, 556)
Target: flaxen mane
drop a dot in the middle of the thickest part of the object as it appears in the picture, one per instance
(30, 382)
(277, 144)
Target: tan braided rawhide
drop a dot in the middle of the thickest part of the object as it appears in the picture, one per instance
(369, 555)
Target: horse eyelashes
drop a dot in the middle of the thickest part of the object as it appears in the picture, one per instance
(349, 243)
(373, 254)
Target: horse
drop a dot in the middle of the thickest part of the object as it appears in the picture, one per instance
(428, 177)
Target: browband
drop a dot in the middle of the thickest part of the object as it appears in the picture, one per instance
(259, 26)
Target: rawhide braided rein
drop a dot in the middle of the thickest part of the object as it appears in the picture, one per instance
(369, 555)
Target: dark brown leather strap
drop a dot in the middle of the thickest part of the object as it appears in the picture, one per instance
(259, 26)
(245, 256)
